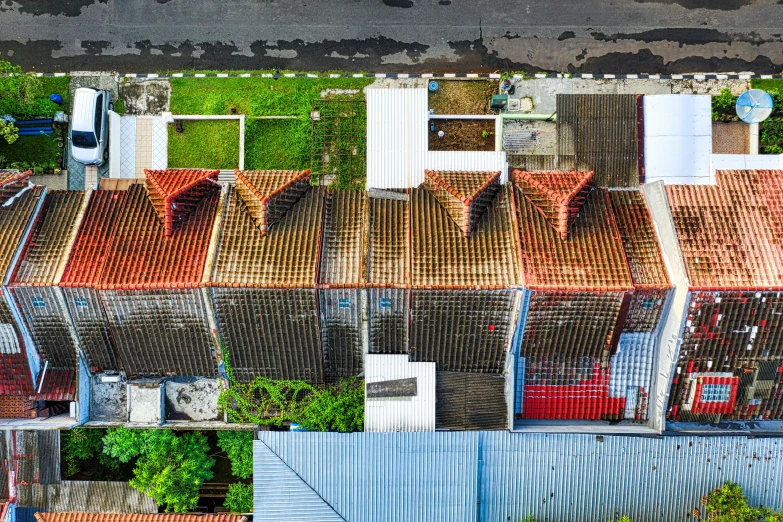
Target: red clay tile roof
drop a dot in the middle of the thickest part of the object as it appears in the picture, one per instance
(344, 251)
(731, 235)
(93, 241)
(557, 195)
(58, 385)
(132, 251)
(442, 257)
(11, 182)
(640, 241)
(95, 517)
(387, 257)
(464, 195)
(592, 258)
(47, 246)
(13, 222)
(175, 193)
(268, 194)
(15, 377)
(286, 257)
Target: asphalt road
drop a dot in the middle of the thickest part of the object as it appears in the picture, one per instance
(596, 36)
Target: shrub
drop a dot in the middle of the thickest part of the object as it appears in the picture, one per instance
(238, 445)
(728, 504)
(239, 498)
(724, 106)
(8, 132)
(169, 468)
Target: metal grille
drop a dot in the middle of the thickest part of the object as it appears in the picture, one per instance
(269, 332)
(338, 146)
(461, 330)
(160, 332)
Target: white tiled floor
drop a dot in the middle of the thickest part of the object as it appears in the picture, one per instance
(144, 145)
(128, 147)
(160, 144)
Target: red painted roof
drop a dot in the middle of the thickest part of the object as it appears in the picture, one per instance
(175, 193)
(99, 517)
(731, 234)
(558, 196)
(122, 244)
(58, 385)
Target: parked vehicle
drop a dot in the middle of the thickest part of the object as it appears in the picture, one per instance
(90, 126)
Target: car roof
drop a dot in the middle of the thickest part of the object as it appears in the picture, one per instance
(83, 115)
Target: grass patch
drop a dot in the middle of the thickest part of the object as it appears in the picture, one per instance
(30, 151)
(767, 85)
(209, 144)
(462, 97)
(277, 144)
(41, 105)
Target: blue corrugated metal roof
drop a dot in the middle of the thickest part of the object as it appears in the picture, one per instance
(500, 476)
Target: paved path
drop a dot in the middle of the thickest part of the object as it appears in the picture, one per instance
(609, 36)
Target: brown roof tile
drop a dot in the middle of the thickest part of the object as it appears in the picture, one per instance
(464, 195)
(388, 259)
(285, 257)
(95, 517)
(640, 241)
(14, 219)
(175, 193)
(344, 252)
(592, 257)
(11, 182)
(443, 258)
(731, 235)
(15, 378)
(557, 195)
(268, 194)
(47, 246)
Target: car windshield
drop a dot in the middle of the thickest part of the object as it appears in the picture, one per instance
(83, 140)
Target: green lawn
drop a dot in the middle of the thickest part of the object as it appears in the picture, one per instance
(205, 144)
(277, 144)
(29, 151)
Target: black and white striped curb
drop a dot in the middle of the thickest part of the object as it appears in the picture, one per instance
(492, 76)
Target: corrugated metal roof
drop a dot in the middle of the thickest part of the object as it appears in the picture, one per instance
(471, 401)
(437, 476)
(47, 246)
(601, 130)
(169, 517)
(444, 258)
(85, 496)
(397, 137)
(471, 161)
(416, 413)
(14, 220)
(5, 462)
(592, 258)
(729, 234)
(286, 257)
(344, 251)
(37, 456)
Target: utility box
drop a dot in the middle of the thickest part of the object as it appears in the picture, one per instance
(498, 101)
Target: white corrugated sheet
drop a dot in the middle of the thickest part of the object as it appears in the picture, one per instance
(400, 413)
(469, 161)
(678, 138)
(630, 370)
(500, 476)
(396, 137)
(746, 162)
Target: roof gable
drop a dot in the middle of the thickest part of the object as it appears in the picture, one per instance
(465, 196)
(175, 193)
(557, 195)
(731, 234)
(268, 194)
(14, 219)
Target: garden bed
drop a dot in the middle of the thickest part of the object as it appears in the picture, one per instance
(463, 135)
(207, 144)
(462, 97)
(39, 152)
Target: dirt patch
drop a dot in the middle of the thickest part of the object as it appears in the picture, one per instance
(463, 135)
(463, 97)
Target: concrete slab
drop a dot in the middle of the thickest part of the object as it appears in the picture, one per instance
(145, 401)
(192, 400)
(144, 97)
(547, 144)
(108, 401)
(53, 181)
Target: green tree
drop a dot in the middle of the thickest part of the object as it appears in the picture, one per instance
(80, 445)
(18, 89)
(169, 468)
(728, 504)
(238, 445)
(239, 498)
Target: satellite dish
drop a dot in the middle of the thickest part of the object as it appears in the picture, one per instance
(754, 106)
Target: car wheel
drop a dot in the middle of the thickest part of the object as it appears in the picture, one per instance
(106, 154)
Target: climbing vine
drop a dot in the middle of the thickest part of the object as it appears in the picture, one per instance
(266, 402)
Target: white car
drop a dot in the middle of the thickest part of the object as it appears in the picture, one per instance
(90, 126)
